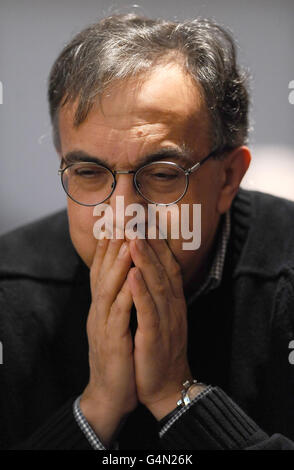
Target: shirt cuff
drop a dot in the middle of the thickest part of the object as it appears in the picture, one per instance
(212, 422)
(85, 427)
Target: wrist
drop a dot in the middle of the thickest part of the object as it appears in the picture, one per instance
(166, 406)
(163, 407)
(104, 419)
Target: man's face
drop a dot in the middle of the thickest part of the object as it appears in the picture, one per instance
(132, 123)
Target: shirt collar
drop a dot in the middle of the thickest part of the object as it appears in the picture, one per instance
(214, 277)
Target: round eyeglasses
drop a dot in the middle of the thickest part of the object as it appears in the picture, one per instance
(161, 182)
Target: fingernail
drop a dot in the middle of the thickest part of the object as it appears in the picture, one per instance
(138, 274)
(140, 244)
(123, 250)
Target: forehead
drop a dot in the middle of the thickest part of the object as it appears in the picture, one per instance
(137, 116)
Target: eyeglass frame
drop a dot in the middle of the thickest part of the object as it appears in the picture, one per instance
(187, 173)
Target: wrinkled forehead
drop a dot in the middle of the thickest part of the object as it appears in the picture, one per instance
(165, 91)
(165, 108)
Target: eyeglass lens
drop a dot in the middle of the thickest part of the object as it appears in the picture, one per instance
(91, 184)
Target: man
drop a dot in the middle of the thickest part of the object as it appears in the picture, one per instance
(103, 339)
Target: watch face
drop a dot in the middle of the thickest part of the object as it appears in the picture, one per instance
(194, 390)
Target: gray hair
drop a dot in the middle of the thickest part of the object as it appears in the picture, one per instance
(124, 46)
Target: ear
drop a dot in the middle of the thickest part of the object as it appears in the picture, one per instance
(235, 165)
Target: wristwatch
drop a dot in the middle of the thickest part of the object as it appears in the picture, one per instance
(188, 392)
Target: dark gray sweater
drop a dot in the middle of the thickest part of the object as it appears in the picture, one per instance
(239, 337)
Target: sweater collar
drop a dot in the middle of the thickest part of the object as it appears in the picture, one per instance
(214, 277)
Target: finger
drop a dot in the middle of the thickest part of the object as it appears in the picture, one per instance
(170, 264)
(119, 317)
(152, 271)
(110, 255)
(147, 314)
(110, 284)
(100, 251)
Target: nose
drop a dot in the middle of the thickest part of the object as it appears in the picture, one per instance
(125, 187)
(123, 195)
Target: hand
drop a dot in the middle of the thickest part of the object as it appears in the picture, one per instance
(160, 354)
(111, 392)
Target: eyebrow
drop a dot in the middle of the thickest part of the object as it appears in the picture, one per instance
(180, 154)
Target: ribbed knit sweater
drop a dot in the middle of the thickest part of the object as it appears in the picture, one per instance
(239, 338)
